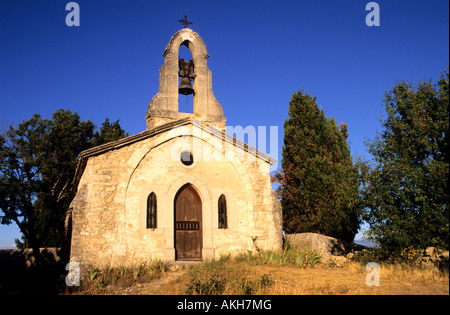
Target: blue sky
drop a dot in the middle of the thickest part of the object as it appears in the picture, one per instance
(261, 52)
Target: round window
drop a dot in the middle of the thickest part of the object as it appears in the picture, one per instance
(186, 158)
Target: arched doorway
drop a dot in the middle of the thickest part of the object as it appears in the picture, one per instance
(188, 224)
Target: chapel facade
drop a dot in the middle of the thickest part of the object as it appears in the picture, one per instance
(182, 189)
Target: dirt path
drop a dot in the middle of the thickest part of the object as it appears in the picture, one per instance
(162, 285)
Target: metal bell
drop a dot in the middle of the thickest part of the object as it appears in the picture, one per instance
(185, 86)
(186, 73)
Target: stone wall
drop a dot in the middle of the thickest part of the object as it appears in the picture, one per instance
(12, 259)
(20, 274)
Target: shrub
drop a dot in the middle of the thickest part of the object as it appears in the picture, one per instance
(291, 255)
(214, 284)
(249, 287)
(121, 276)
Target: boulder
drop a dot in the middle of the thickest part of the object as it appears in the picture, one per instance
(432, 257)
(430, 252)
(327, 246)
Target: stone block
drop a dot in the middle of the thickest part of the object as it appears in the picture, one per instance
(325, 245)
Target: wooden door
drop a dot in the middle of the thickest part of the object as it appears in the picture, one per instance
(188, 224)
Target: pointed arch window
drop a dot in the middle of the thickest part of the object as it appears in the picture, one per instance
(151, 211)
(222, 207)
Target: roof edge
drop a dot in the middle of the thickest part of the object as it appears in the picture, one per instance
(114, 145)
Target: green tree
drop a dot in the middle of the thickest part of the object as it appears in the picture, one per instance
(108, 132)
(318, 181)
(406, 186)
(21, 153)
(37, 165)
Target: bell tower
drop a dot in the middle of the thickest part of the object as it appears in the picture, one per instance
(163, 108)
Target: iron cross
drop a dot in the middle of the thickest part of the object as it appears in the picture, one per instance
(185, 22)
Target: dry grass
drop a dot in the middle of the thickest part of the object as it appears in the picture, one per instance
(351, 279)
(319, 280)
(251, 275)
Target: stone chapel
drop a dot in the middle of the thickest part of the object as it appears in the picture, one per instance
(182, 189)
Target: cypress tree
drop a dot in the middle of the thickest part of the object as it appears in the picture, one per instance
(318, 181)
